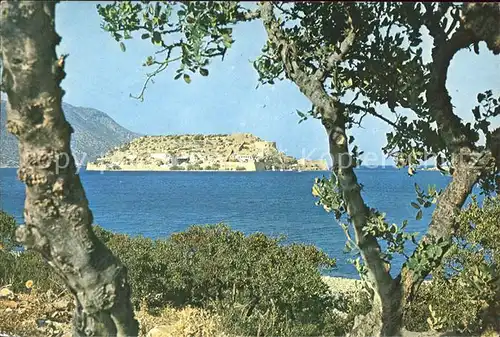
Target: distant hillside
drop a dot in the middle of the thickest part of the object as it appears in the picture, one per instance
(95, 134)
(235, 152)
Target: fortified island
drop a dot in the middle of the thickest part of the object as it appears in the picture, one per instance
(235, 152)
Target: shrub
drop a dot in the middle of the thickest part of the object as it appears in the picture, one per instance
(7, 231)
(245, 278)
(240, 168)
(469, 279)
(16, 269)
(254, 284)
(177, 168)
(18, 266)
(194, 167)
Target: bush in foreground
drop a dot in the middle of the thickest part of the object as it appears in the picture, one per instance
(469, 279)
(17, 268)
(245, 278)
(254, 284)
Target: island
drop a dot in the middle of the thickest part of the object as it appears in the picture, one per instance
(221, 152)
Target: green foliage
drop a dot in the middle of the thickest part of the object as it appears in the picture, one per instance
(488, 108)
(395, 237)
(255, 283)
(335, 322)
(191, 33)
(17, 266)
(328, 193)
(7, 231)
(194, 167)
(468, 281)
(177, 168)
(424, 200)
(240, 168)
(215, 267)
(427, 256)
(329, 196)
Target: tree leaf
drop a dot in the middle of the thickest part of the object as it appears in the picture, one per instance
(187, 79)
(419, 215)
(156, 37)
(145, 36)
(122, 46)
(415, 205)
(477, 114)
(203, 72)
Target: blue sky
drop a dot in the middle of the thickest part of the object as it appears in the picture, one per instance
(101, 76)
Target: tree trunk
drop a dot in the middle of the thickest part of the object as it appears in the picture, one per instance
(386, 316)
(442, 226)
(390, 295)
(57, 217)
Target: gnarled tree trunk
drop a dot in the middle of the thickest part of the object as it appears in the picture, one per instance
(391, 295)
(386, 316)
(57, 216)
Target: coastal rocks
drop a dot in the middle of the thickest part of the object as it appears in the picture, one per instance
(160, 331)
(6, 293)
(343, 285)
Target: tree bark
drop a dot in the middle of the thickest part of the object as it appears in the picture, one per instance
(468, 161)
(386, 316)
(385, 319)
(57, 216)
(391, 295)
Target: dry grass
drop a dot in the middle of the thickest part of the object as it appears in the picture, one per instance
(47, 315)
(33, 314)
(180, 323)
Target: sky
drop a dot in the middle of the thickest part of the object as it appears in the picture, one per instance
(101, 76)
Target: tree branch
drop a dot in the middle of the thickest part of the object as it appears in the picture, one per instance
(331, 109)
(336, 57)
(440, 230)
(493, 143)
(248, 16)
(57, 216)
(438, 99)
(372, 112)
(469, 163)
(481, 24)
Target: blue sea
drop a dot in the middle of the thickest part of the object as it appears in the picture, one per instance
(156, 204)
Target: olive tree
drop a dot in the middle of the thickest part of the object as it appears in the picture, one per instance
(56, 213)
(348, 59)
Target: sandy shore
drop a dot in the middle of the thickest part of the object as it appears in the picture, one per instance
(342, 284)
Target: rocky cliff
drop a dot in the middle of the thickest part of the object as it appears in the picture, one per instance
(234, 152)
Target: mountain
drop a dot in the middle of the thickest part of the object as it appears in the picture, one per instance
(95, 134)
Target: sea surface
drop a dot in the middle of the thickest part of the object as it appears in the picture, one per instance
(156, 204)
